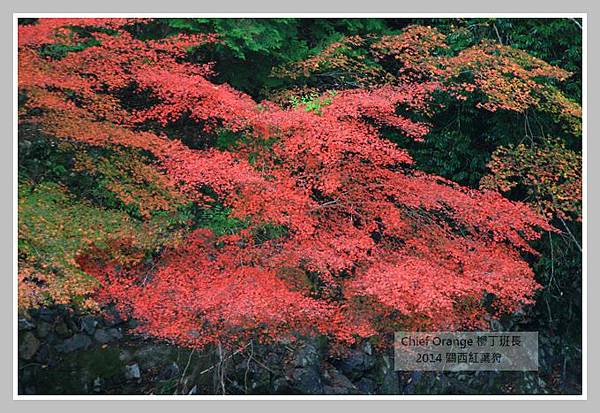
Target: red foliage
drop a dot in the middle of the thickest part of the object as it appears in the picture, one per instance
(359, 223)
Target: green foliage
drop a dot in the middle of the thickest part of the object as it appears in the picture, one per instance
(312, 102)
(251, 48)
(218, 220)
(57, 226)
(53, 229)
(57, 51)
(227, 139)
(274, 37)
(268, 232)
(102, 362)
(451, 154)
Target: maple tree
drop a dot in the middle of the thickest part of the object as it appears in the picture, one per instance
(551, 174)
(335, 231)
(505, 77)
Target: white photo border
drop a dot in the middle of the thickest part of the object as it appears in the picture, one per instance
(582, 396)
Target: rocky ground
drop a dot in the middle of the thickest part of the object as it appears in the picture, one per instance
(65, 353)
(61, 352)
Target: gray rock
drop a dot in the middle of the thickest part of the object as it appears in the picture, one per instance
(172, 370)
(28, 345)
(413, 382)
(337, 383)
(307, 381)
(356, 364)
(46, 314)
(132, 372)
(107, 336)
(252, 377)
(25, 324)
(71, 324)
(366, 386)
(125, 356)
(43, 354)
(115, 333)
(113, 318)
(281, 386)
(368, 348)
(153, 355)
(97, 384)
(77, 342)
(307, 355)
(386, 363)
(88, 324)
(43, 329)
(391, 384)
(62, 330)
(102, 336)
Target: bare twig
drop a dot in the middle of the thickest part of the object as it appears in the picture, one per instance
(325, 204)
(577, 23)
(226, 358)
(571, 234)
(248, 368)
(498, 34)
(551, 260)
(186, 368)
(254, 359)
(221, 369)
